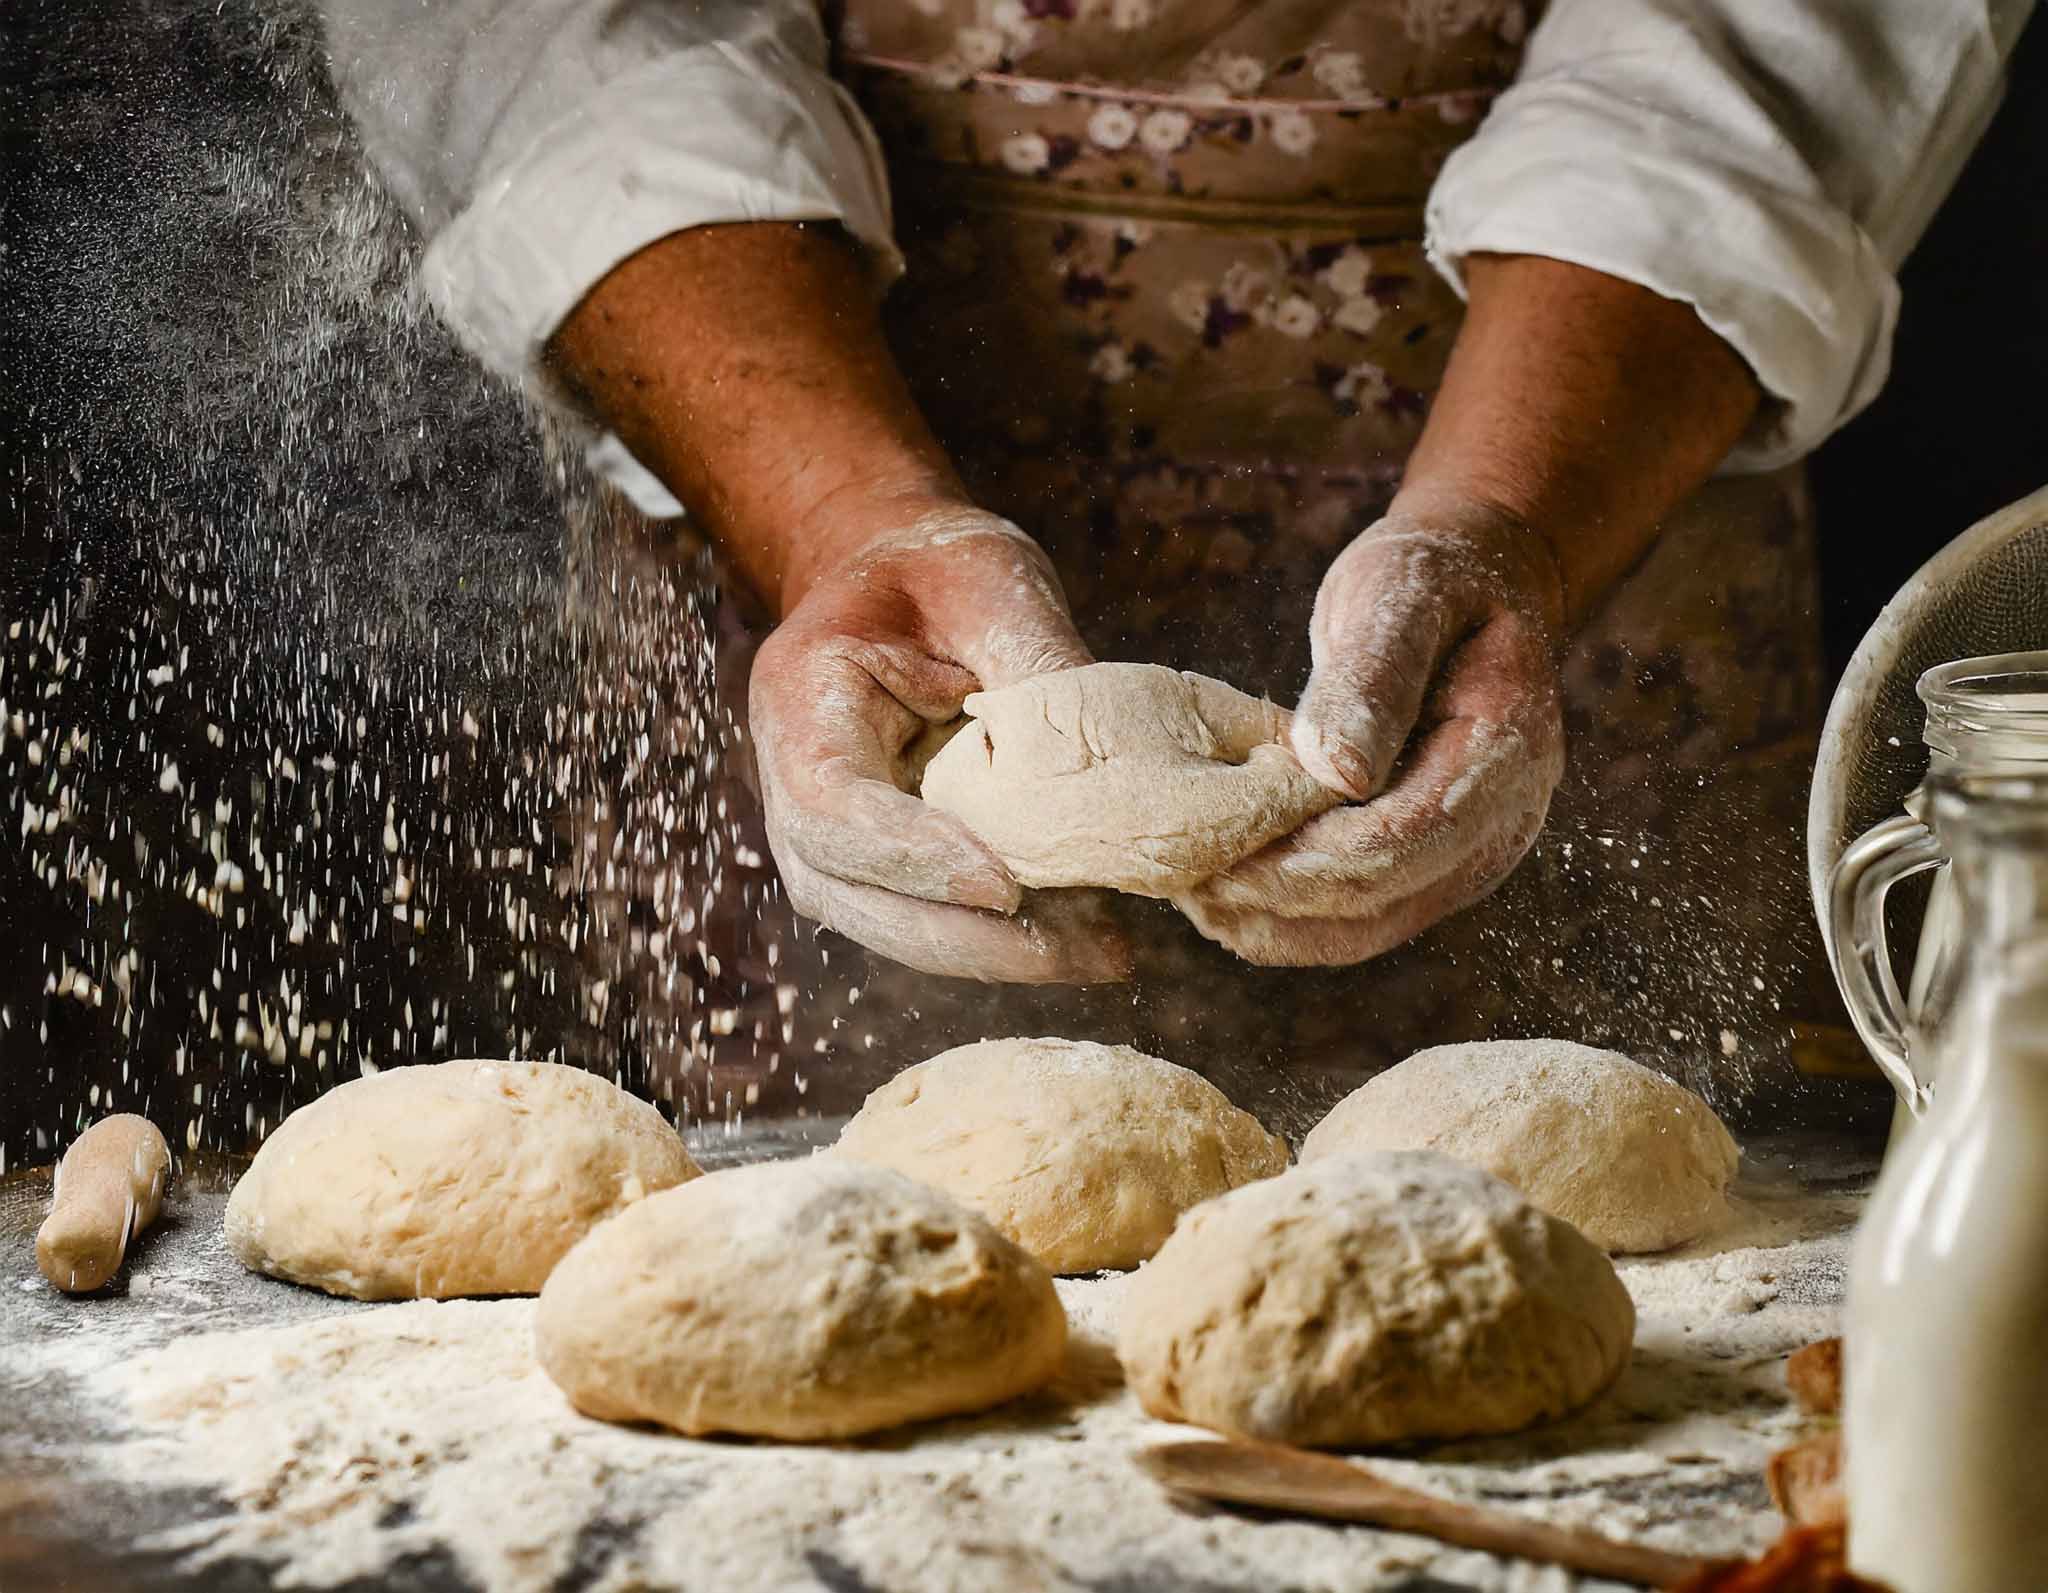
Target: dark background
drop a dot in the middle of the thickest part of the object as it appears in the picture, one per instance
(1962, 428)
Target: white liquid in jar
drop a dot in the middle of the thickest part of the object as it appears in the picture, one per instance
(1946, 1404)
(1928, 986)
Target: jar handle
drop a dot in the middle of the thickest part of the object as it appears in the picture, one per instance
(1876, 861)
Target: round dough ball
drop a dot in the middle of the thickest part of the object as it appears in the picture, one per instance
(1084, 1154)
(1144, 779)
(804, 1299)
(1632, 1160)
(1368, 1299)
(446, 1179)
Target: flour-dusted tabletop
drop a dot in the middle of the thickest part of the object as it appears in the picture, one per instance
(203, 1428)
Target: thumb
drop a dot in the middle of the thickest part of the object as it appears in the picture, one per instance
(1022, 625)
(1031, 641)
(1375, 650)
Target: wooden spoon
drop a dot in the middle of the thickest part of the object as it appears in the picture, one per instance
(1275, 1477)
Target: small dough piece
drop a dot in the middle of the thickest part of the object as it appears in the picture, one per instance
(1369, 1299)
(1131, 776)
(110, 1186)
(447, 1179)
(803, 1300)
(1084, 1154)
(1631, 1159)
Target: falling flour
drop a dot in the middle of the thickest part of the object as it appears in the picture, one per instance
(345, 1444)
(344, 720)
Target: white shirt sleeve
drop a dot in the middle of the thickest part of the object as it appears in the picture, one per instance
(1769, 162)
(539, 143)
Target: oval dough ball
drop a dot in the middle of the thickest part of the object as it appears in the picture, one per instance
(1084, 1154)
(1368, 1299)
(805, 1299)
(446, 1179)
(1131, 776)
(1632, 1160)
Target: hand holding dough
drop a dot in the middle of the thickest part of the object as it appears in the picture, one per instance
(1144, 779)
(874, 659)
(110, 1186)
(1435, 702)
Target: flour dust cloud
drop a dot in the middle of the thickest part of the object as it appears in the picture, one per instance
(343, 722)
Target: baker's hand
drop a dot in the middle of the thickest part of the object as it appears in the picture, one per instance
(1434, 705)
(845, 700)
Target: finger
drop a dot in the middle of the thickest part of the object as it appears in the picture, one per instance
(993, 570)
(1379, 630)
(1468, 786)
(1064, 939)
(1360, 862)
(1273, 940)
(1020, 652)
(1484, 773)
(1037, 632)
(829, 738)
(867, 832)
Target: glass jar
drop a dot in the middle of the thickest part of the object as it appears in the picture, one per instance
(1946, 1398)
(1984, 716)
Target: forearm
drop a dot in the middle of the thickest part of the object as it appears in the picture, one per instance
(1768, 165)
(745, 366)
(537, 144)
(1582, 406)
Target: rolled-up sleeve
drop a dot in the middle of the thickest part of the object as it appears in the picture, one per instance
(1768, 163)
(538, 143)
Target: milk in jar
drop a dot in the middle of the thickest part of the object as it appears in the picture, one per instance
(1945, 1414)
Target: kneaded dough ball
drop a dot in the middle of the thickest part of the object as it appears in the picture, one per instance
(1131, 776)
(1084, 1154)
(1368, 1299)
(1632, 1160)
(804, 1299)
(446, 1179)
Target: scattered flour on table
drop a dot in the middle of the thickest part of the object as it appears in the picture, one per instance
(347, 1442)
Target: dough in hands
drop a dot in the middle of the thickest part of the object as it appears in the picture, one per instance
(1084, 1154)
(1631, 1159)
(1368, 1299)
(801, 1300)
(447, 1179)
(1130, 776)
